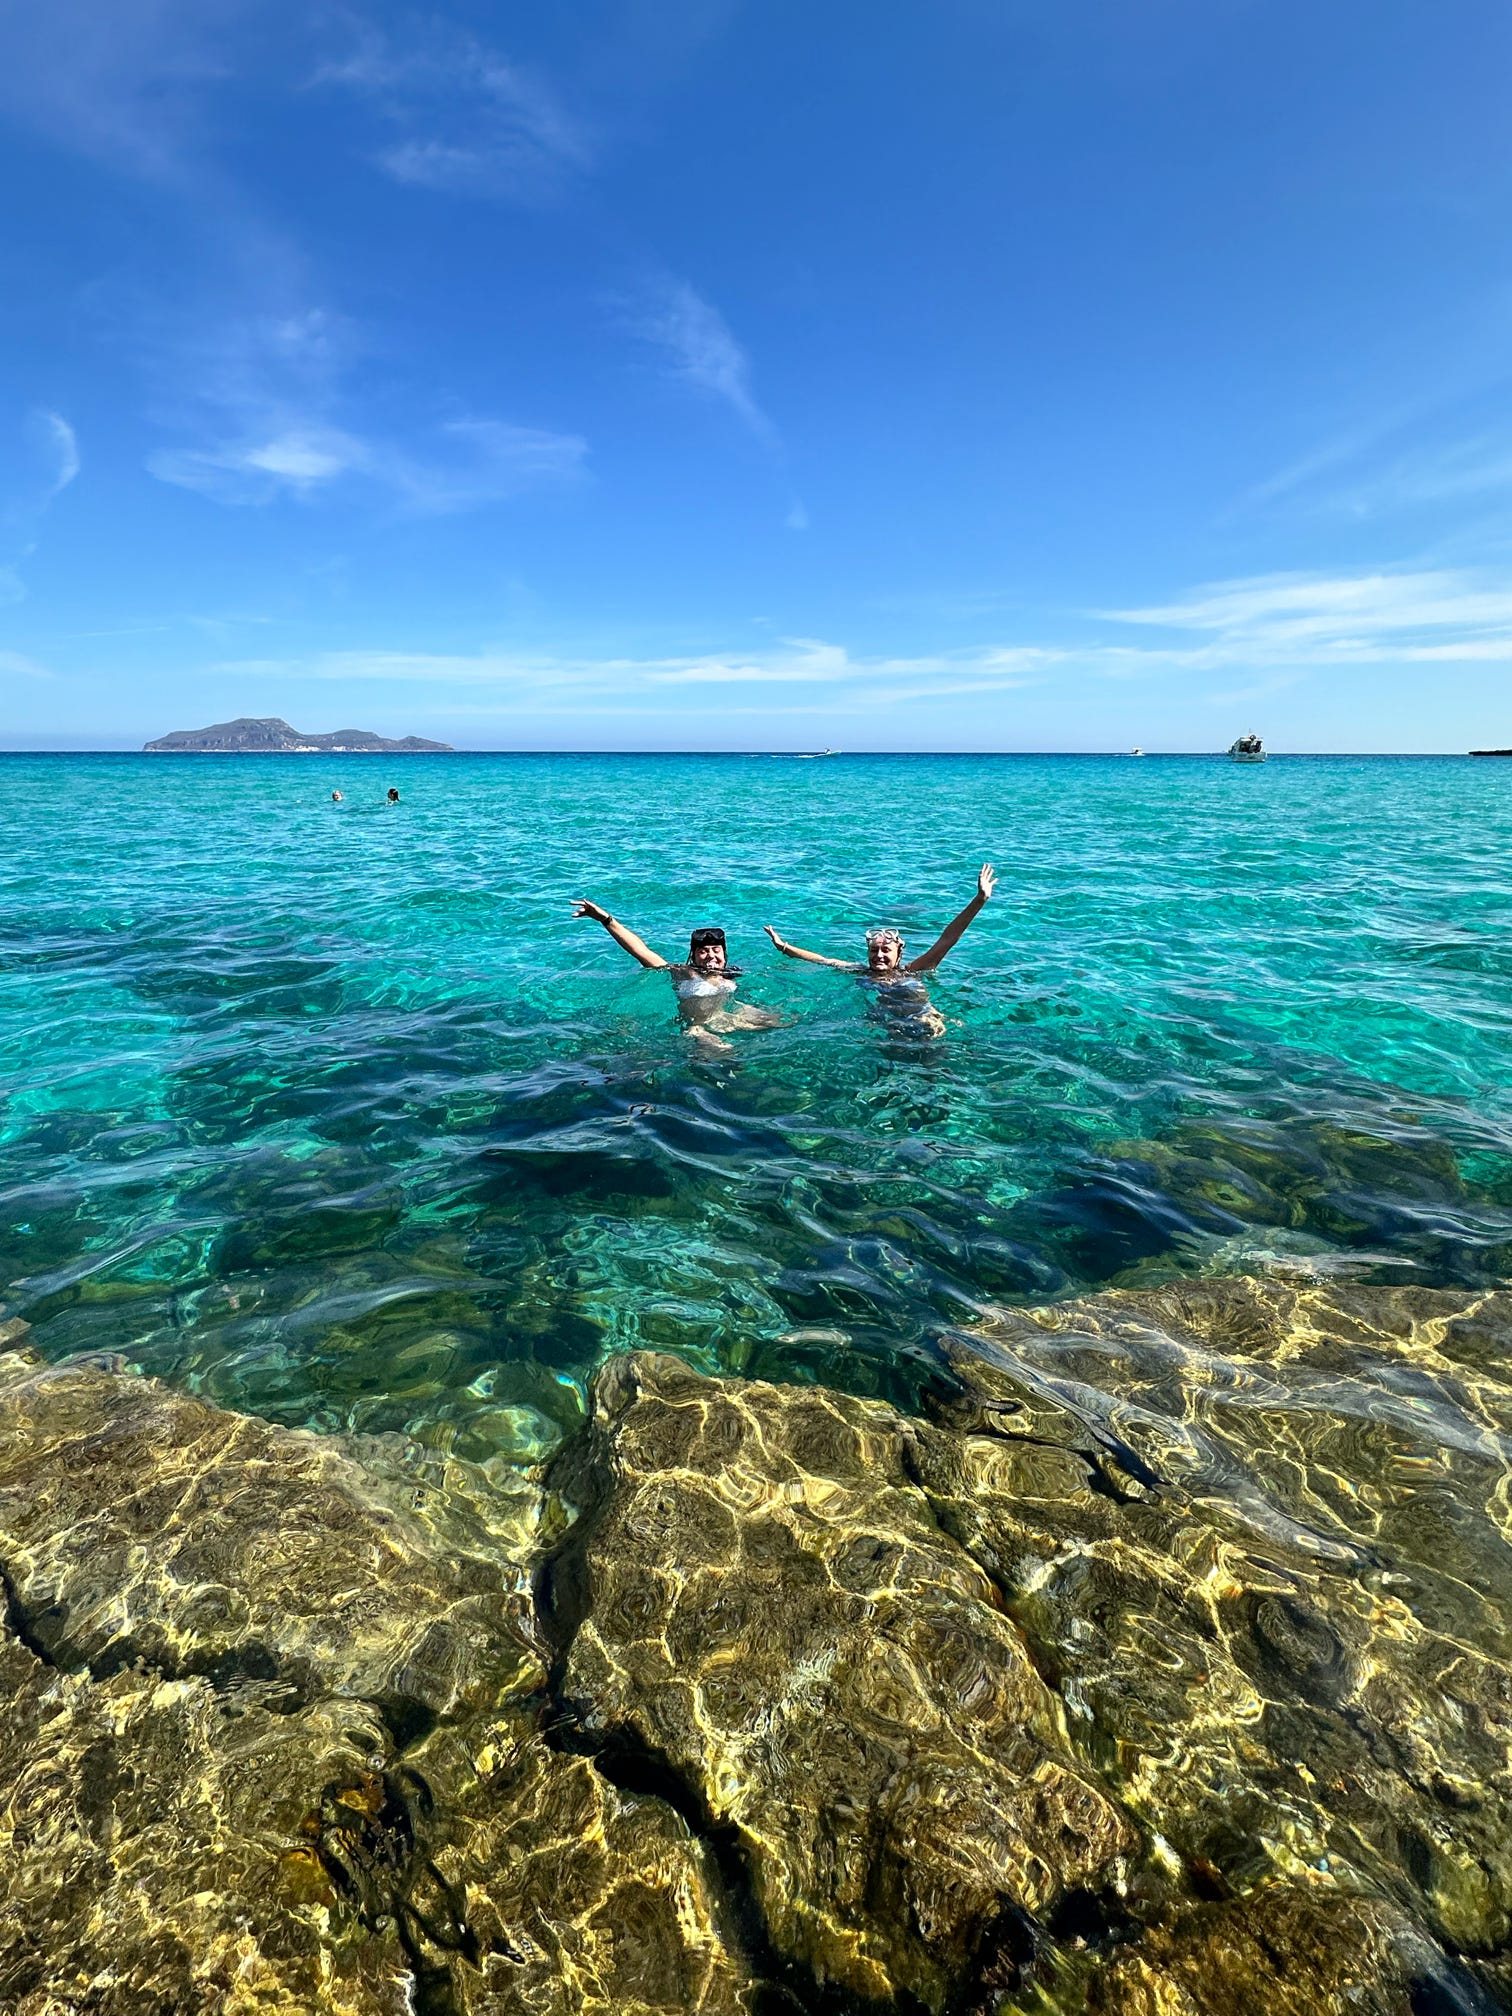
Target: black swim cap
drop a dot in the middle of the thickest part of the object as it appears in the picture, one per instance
(706, 934)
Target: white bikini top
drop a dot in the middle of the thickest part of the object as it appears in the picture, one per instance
(694, 985)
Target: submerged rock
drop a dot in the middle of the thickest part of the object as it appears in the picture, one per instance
(1369, 1200)
(1162, 1671)
(581, 1895)
(1286, 1951)
(145, 1837)
(142, 1525)
(270, 1738)
(1187, 1592)
(1266, 1576)
(764, 1612)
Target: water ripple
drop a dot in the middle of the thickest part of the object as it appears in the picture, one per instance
(333, 1112)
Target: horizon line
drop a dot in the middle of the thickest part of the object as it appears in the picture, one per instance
(817, 755)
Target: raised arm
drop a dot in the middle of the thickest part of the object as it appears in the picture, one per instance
(620, 933)
(797, 952)
(952, 932)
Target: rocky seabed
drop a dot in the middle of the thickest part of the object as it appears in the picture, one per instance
(1159, 1669)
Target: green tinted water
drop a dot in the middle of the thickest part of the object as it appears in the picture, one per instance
(332, 1113)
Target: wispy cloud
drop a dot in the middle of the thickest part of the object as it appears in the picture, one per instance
(263, 401)
(49, 463)
(1313, 620)
(460, 466)
(60, 450)
(488, 460)
(810, 661)
(459, 117)
(1237, 640)
(701, 350)
(1227, 642)
(14, 665)
(262, 466)
(797, 663)
(132, 84)
(122, 83)
(1462, 471)
(258, 389)
(1447, 442)
(1325, 460)
(1378, 472)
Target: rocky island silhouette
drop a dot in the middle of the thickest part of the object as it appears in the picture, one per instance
(270, 736)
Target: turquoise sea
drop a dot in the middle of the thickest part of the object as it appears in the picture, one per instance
(332, 1113)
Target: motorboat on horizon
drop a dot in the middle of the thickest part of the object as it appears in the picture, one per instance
(1247, 749)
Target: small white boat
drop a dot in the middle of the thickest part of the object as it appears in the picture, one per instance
(1247, 749)
(1136, 752)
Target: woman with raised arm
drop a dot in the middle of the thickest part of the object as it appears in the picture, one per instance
(884, 946)
(885, 963)
(704, 981)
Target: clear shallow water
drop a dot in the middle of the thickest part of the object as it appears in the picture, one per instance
(333, 1113)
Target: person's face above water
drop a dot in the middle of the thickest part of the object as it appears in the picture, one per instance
(707, 956)
(884, 952)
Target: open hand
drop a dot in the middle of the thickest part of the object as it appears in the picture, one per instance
(583, 908)
(774, 938)
(986, 881)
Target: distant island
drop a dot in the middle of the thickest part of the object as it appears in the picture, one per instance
(272, 737)
(1491, 752)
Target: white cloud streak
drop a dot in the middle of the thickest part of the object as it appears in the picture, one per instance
(263, 398)
(1447, 445)
(63, 445)
(701, 350)
(1457, 472)
(462, 466)
(1258, 636)
(799, 665)
(1313, 620)
(1362, 483)
(1227, 643)
(463, 119)
(14, 665)
(50, 464)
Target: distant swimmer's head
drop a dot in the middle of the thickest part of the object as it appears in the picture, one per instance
(706, 949)
(884, 949)
(393, 796)
(335, 797)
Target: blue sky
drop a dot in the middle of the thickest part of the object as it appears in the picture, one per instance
(691, 374)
